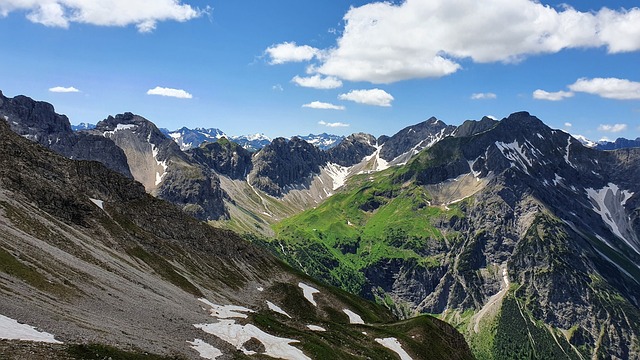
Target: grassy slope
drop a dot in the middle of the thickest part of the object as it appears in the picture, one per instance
(373, 219)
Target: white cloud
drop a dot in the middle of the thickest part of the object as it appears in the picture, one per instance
(610, 88)
(375, 97)
(551, 96)
(62, 89)
(568, 124)
(145, 14)
(323, 105)
(162, 91)
(385, 42)
(483, 96)
(612, 128)
(277, 87)
(290, 52)
(317, 82)
(333, 125)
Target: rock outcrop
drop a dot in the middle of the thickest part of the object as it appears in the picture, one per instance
(38, 121)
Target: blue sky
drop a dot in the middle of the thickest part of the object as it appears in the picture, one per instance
(232, 64)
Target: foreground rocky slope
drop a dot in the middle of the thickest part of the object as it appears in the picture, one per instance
(522, 237)
(89, 257)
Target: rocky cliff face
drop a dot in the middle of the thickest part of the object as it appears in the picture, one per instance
(164, 170)
(224, 157)
(517, 233)
(112, 272)
(285, 163)
(38, 121)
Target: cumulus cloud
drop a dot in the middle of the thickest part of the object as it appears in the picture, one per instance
(483, 96)
(176, 93)
(317, 82)
(568, 125)
(551, 96)
(290, 52)
(385, 42)
(612, 128)
(610, 88)
(323, 105)
(375, 97)
(333, 124)
(62, 89)
(144, 14)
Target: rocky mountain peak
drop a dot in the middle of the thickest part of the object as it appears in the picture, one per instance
(31, 118)
(472, 127)
(353, 149)
(38, 121)
(412, 139)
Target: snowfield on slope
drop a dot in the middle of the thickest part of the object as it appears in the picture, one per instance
(11, 329)
(237, 335)
(394, 345)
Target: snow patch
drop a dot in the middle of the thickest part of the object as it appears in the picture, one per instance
(394, 345)
(609, 203)
(566, 155)
(557, 180)
(516, 153)
(99, 203)
(353, 317)
(159, 176)
(276, 308)
(205, 350)
(379, 163)
(316, 328)
(237, 335)
(476, 174)
(120, 127)
(226, 311)
(11, 329)
(260, 288)
(338, 174)
(308, 292)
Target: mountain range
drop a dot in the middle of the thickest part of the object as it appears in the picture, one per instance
(94, 267)
(521, 237)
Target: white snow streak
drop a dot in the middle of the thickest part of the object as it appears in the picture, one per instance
(159, 176)
(308, 292)
(99, 203)
(316, 328)
(12, 330)
(276, 308)
(353, 317)
(609, 202)
(394, 345)
(515, 152)
(379, 163)
(226, 311)
(566, 156)
(338, 174)
(205, 350)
